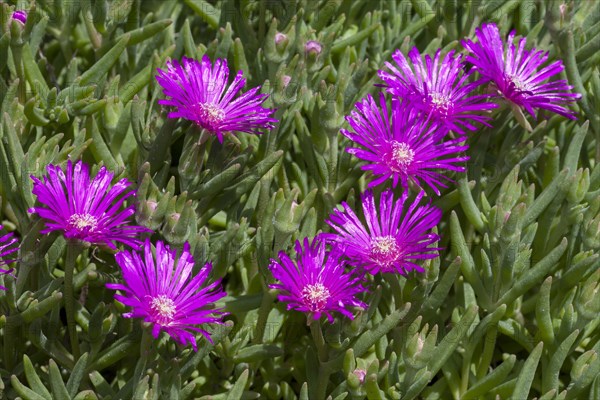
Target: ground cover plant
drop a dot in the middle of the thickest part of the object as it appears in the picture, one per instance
(278, 199)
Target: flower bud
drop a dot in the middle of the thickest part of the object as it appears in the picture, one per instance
(20, 16)
(563, 9)
(277, 44)
(146, 209)
(280, 37)
(16, 24)
(360, 374)
(313, 48)
(281, 42)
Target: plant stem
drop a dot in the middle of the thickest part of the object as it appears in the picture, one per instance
(324, 371)
(73, 251)
(317, 334)
(395, 288)
(145, 352)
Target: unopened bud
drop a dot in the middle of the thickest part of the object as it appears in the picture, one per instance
(20, 15)
(313, 48)
(563, 9)
(151, 205)
(280, 37)
(281, 43)
(360, 374)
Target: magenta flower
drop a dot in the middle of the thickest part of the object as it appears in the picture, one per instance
(7, 247)
(316, 283)
(199, 93)
(86, 209)
(167, 294)
(440, 90)
(515, 75)
(20, 15)
(406, 147)
(393, 241)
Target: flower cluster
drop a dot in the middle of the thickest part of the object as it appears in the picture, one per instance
(433, 98)
(91, 210)
(416, 142)
(165, 293)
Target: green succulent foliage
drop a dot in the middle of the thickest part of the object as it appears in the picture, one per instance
(509, 310)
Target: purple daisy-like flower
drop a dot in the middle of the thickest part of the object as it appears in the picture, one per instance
(86, 209)
(316, 283)
(514, 72)
(406, 147)
(199, 93)
(7, 247)
(389, 242)
(439, 89)
(20, 15)
(165, 292)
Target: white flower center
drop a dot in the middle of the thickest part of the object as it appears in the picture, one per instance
(315, 296)
(83, 222)
(440, 103)
(211, 115)
(163, 308)
(519, 85)
(384, 251)
(401, 156)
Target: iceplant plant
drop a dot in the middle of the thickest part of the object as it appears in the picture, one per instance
(162, 289)
(317, 284)
(87, 211)
(396, 236)
(199, 91)
(519, 75)
(403, 145)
